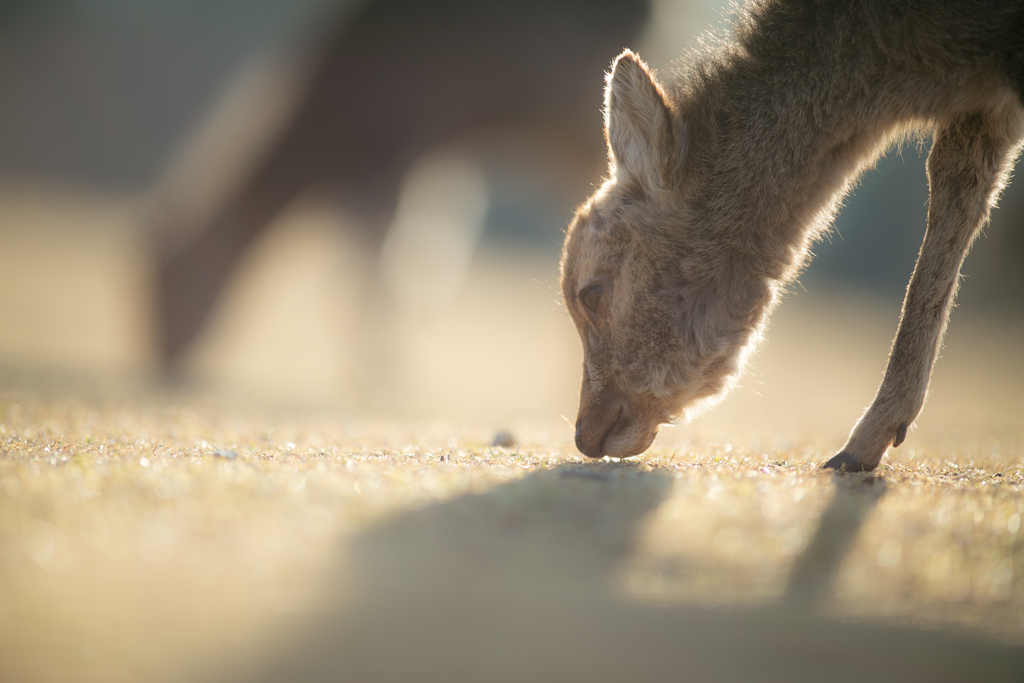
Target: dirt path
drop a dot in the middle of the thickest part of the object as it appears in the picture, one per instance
(156, 538)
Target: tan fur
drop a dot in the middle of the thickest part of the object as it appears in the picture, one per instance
(722, 175)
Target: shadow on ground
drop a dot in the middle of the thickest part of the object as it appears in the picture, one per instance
(520, 583)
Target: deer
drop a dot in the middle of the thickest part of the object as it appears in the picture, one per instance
(392, 82)
(724, 172)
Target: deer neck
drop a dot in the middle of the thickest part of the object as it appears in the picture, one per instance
(774, 148)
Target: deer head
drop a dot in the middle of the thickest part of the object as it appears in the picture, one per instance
(664, 308)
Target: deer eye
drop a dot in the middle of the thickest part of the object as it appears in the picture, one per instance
(591, 297)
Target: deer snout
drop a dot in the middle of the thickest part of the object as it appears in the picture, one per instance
(602, 417)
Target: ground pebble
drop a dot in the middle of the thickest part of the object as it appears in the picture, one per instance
(224, 453)
(504, 440)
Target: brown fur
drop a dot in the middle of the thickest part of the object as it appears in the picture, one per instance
(722, 175)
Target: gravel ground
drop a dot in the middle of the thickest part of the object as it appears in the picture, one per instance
(156, 537)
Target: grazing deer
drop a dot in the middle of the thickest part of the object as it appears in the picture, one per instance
(395, 80)
(722, 175)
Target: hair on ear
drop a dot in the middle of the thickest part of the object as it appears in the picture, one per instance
(637, 123)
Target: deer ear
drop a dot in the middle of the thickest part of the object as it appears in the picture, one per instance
(637, 123)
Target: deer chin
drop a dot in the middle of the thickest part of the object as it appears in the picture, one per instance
(631, 441)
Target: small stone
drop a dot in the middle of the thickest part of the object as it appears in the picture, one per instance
(224, 453)
(504, 440)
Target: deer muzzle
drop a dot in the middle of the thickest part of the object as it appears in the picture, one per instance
(607, 425)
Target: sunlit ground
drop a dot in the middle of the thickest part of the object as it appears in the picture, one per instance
(264, 523)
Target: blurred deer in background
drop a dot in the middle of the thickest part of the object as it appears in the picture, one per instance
(394, 81)
(722, 176)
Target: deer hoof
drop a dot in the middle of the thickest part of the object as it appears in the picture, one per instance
(845, 462)
(901, 434)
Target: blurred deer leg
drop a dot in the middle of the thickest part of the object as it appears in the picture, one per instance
(967, 167)
(424, 256)
(191, 275)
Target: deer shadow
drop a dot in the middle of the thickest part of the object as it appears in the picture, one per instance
(520, 583)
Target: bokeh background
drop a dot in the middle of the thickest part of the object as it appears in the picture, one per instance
(108, 104)
(313, 482)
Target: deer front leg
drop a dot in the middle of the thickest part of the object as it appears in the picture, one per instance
(968, 166)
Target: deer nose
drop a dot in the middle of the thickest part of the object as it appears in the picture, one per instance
(601, 416)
